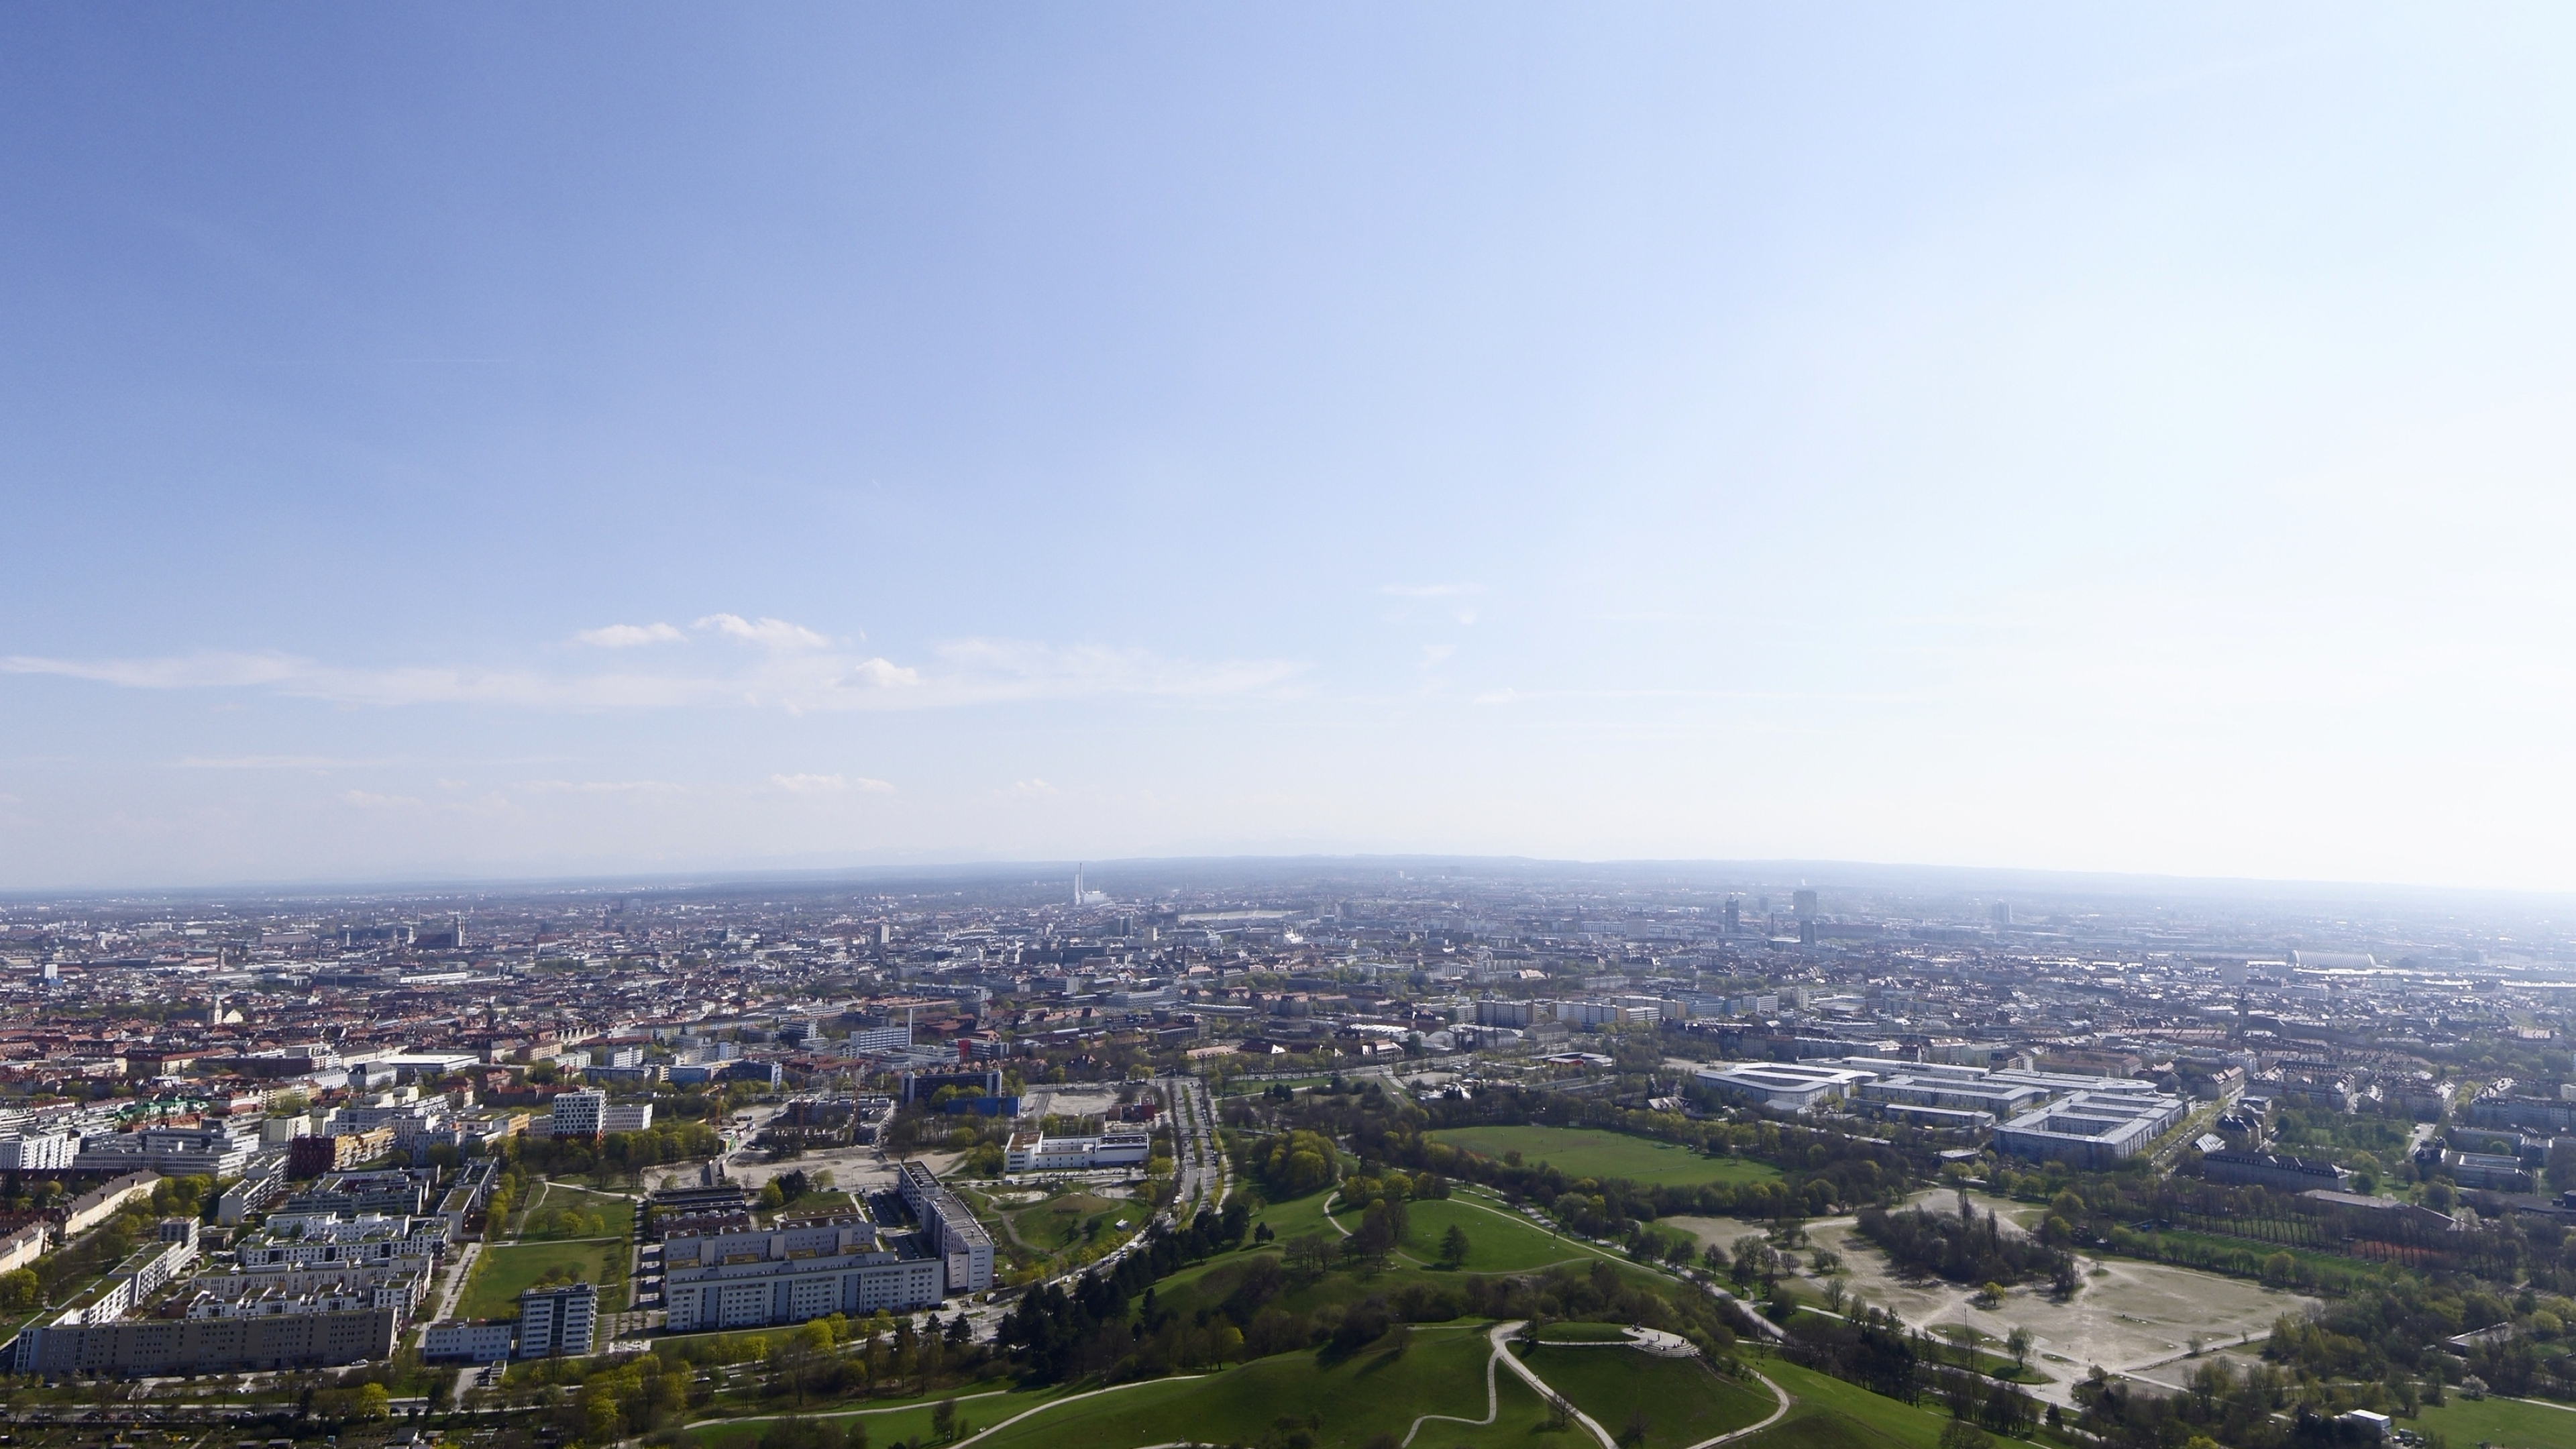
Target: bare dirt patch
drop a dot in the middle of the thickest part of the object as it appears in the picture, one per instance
(2138, 1318)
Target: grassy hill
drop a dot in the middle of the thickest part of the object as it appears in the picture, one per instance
(1378, 1390)
(1682, 1400)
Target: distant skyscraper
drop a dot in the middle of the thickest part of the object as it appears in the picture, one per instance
(2000, 912)
(1077, 883)
(1804, 903)
(1734, 915)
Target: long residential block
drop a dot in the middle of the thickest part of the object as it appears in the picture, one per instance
(792, 1273)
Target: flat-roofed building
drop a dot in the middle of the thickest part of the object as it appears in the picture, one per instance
(2271, 1169)
(2091, 1128)
(557, 1322)
(1036, 1152)
(794, 1272)
(1783, 1086)
(951, 1230)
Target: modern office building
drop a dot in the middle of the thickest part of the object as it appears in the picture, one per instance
(1037, 1152)
(1782, 1086)
(2092, 1128)
(578, 1113)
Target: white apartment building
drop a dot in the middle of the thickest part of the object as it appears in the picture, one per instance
(557, 1322)
(578, 1113)
(47, 1152)
(960, 1241)
(800, 1271)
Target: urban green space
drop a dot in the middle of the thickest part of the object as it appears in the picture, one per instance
(1591, 1152)
(1380, 1389)
(1827, 1413)
(2505, 1423)
(1656, 1403)
(1498, 1241)
(504, 1270)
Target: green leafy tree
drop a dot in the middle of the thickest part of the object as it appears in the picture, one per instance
(1453, 1247)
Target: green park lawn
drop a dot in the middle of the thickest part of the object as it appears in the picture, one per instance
(1071, 1219)
(504, 1270)
(1831, 1414)
(2512, 1423)
(1377, 1390)
(1297, 1217)
(1590, 1152)
(1682, 1400)
(904, 1423)
(1498, 1240)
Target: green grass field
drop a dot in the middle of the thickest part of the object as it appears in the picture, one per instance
(1377, 1390)
(1496, 1242)
(1683, 1402)
(907, 1423)
(1073, 1218)
(2509, 1422)
(1854, 1418)
(1587, 1152)
(502, 1271)
(1297, 1217)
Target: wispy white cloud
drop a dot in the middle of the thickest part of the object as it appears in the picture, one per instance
(280, 762)
(602, 787)
(768, 633)
(880, 674)
(794, 672)
(1430, 591)
(628, 636)
(1032, 789)
(366, 800)
(203, 670)
(829, 784)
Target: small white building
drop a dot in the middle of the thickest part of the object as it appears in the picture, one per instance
(1036, 1152)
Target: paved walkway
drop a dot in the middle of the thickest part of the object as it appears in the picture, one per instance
(456, 1284)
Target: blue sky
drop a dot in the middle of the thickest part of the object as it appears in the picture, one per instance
(560, 439)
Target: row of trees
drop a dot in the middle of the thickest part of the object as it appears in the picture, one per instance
(1056, 1334)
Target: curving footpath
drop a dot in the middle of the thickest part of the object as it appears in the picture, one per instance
(1493, 1398)
(1072, 1398)
(1780, 1396)
(1499, 1340)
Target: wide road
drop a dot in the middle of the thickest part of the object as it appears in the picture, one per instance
(1199, 1165)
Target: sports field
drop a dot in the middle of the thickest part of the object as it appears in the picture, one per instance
(502, 1271)
(1590, 1152)
(2510, 1423)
